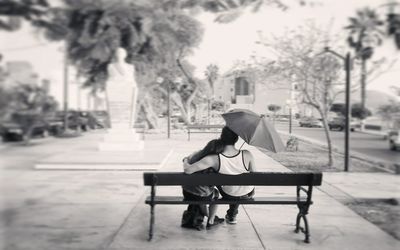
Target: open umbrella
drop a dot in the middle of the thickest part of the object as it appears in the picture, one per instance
(254, 129)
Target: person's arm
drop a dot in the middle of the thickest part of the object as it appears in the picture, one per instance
(249, 159)
(204, 163)
(192, 156)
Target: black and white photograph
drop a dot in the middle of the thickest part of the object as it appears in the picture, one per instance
(199, 124)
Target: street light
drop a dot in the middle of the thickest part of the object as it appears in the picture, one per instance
(347, 61)
(160, 80)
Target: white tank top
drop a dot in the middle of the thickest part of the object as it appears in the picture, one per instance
(234, 165)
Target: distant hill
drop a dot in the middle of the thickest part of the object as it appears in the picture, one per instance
(375, 99)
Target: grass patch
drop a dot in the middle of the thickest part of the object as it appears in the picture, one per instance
(314, 158)
(384, 213)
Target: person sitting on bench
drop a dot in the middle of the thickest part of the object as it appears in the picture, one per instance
(230, 161)
(203, 192)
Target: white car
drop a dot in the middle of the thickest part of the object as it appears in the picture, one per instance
(394, 140)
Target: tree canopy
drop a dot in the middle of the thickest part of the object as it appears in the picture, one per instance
(93, 30)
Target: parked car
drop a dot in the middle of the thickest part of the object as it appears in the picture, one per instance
(394, 139)
(75, 120)
(12, 131)
(101, 118)
(339, 123)
(282, 118)
(310, 122)
(54, 124)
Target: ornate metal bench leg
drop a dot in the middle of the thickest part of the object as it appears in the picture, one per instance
(303, 211)
(151, 222)
(297, 223)
(306, 230)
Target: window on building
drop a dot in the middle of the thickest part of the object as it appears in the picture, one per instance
(241, 86)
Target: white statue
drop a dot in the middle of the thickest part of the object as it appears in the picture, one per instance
(120, 69)
(122, 73)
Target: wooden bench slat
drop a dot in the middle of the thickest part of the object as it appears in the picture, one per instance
(179, 200)
(256, 179)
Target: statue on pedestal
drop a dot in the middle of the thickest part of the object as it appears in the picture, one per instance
(122, 91)
(121, 87)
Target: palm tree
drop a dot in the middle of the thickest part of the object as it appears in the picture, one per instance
(365, 33)
(211, 74)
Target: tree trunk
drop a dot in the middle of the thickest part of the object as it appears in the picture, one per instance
(27, 135)
(177, 99)
(192, 96)
(150, 116)
(195, 112)
(108, 125)
(328, 138)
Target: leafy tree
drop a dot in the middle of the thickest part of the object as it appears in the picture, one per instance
(211, 74)
(338, 108)
(390, 113)
(218, 106)
(359, 112)
(318, 77)
(274, 109)
(29, 106)
(157, 36)
(13, 11)
(393, 27)
(319, 80)
(4, 102)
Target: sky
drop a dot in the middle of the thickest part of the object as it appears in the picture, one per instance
(222, 44)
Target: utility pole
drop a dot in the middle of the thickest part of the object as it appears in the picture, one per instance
(348, 114)
(347, 61)
(169, 109)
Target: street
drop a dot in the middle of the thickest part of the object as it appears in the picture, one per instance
(370, 145)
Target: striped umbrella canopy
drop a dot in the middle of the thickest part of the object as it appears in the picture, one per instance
(254, 129)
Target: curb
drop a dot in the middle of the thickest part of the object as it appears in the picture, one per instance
(381, 164)
(377, 133)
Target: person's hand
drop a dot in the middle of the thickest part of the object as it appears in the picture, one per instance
(185, 159)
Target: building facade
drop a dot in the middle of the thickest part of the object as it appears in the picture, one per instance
(243, 89)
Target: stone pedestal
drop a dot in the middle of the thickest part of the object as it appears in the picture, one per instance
(121, 140)
(122, 95)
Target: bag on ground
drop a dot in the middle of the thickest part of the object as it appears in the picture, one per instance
(193, 217)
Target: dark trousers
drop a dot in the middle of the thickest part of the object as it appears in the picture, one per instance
(193, 197)
(234, 208)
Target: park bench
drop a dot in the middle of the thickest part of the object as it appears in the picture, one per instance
(203, 128)
(303, 182)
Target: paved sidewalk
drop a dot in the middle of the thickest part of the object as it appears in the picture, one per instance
(105, 209)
